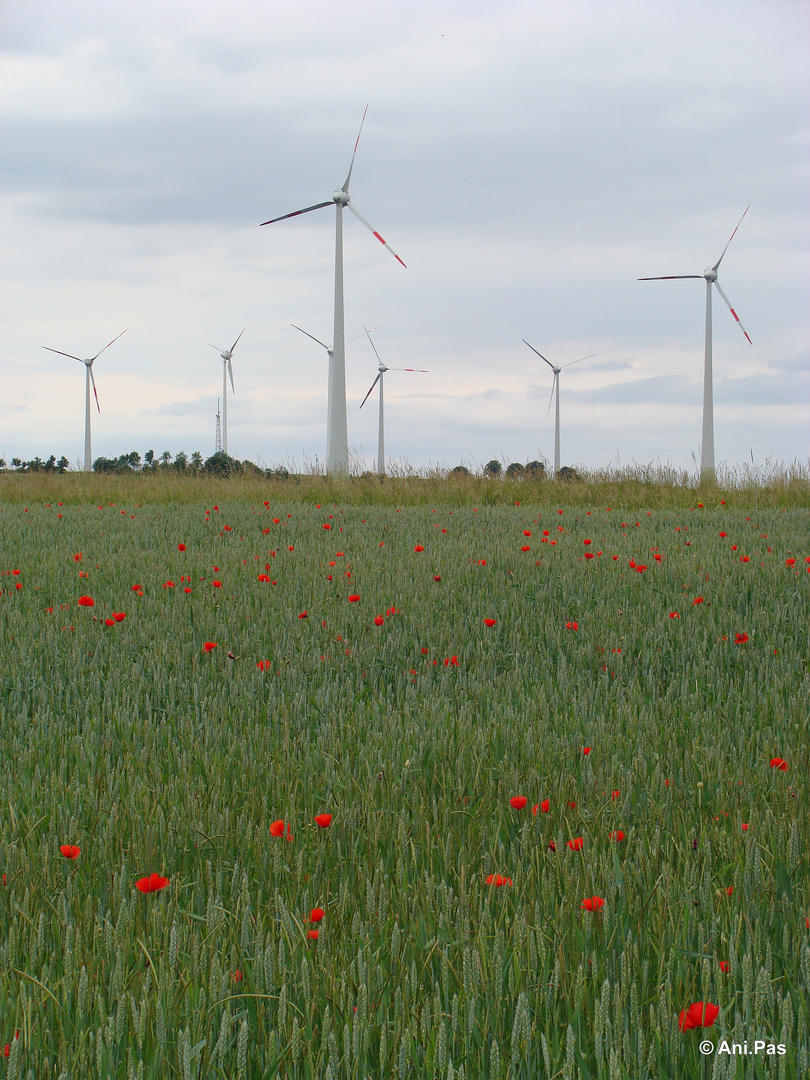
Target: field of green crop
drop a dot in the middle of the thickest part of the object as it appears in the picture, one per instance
(507, 710)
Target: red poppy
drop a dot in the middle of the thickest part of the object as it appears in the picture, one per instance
(86, 601)
(119, 616)
(437, 577)
(181, 547)
(237, 975)
(572, 626)
(552, 846)
(674, 615)
(498, 879)
(525, 548)
(303, 615)
(730, 890)
(543, 807)
(740, 639)
(70, 851)
(593, 903)
(576, 844)
(277, 828)
(378, 620)
(153, 883)
(77, 557)
(187, 588)
(586, 541)
(419, 547)
(425, 651)
(316, 914)
(276, 521)
(617, 835)
(790, 562)
(264, 665)
(586, 750)
(109, 622)
(354, 597)
(724, 965)
(527, 532)
(209, 646)
(745, 826)
(779, 763)
(451, 661)
(699, 1014)
(323, 820)
(326, 525)
(136, 588)
(313, 934)
(217, 584)
(698, 600)
(392, 611)
(264, 577)
(490, 622)
(517, 802)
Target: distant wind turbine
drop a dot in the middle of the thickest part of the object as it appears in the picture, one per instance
(337, 439)
(710, 275)
(88, 378)
(226, 355)
(555, 385)
(381, 424)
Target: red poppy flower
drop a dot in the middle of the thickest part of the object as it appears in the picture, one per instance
(264, 577)
(490, 622)
(586, 750)
(277, 828)
(119, 616)
(316, 914)
(699, 1014)
(276, 521)
(586, 541)
(576, 844)
(552, 846)
(326, 525)
(498, 879)
(86, 601)
(313, 934)
(303, 615)
(181, 547)
(136, 588)
(724, 965)
(153, 883)
(543, 807)
(572, 626)
(419, 547)
(70, 851)
(451, 661)
(323, 820)
(187, 588)
(745, 826)
(354, 597)
(109, 622)
(790, 562)
(730, 890)
(217, 584)
(740, 639)
(517, 802)
(264, 665)
(674, 615)
(237, 975)
(698, 600)
(378, 620)
(437, 577)
(617, 835)
(525, 548)
(425, 651)
(77, 557)
(209, 646)
(593, 903)
(779, 763)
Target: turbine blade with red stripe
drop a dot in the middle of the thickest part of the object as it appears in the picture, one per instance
(296, 213)
(418, 370)
(373, 232)
(98, 354)
(365, 399)
(670, 277)
(733, 312)
(725, 249)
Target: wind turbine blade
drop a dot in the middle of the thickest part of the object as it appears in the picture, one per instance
(313, 336)
(374, 347)
(525, 342)
(553, 384)
(580, 360)
(220, 351)
(733, 312)
(60, 353)
(98, 354)
(373, 232)
(365, 399)
(354, 152)
(93, 381)
(230, 372)
(237, 340)
(670, 277)
(361, 335)
(296, 213)
(418, 370)
(725, 249)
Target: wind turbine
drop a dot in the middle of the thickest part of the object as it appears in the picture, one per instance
(710, 275)
(226, 355)
(555, 385)
(88, 378)
(381, 426)
(337, 439)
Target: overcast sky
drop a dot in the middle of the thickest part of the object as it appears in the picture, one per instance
(528, 161)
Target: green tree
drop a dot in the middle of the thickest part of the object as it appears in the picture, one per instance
(492, 468)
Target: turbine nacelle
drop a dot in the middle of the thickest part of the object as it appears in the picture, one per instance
(341, 197)
(711, 274)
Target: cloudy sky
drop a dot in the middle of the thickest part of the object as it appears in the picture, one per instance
(528, 161)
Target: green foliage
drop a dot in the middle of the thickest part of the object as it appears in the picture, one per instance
(152, 755)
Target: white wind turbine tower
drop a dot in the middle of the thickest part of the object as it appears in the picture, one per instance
(88, 378)
(337, 439)
(227, 367)
(381, 423)
(555, 385)
(710, 275)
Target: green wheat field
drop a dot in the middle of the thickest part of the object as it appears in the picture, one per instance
(501, 701)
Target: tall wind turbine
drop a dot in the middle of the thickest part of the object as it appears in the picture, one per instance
(381, 424)
(227, 367)
(710, 275)
(88, 378)
(555, 385)
(337, 439)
